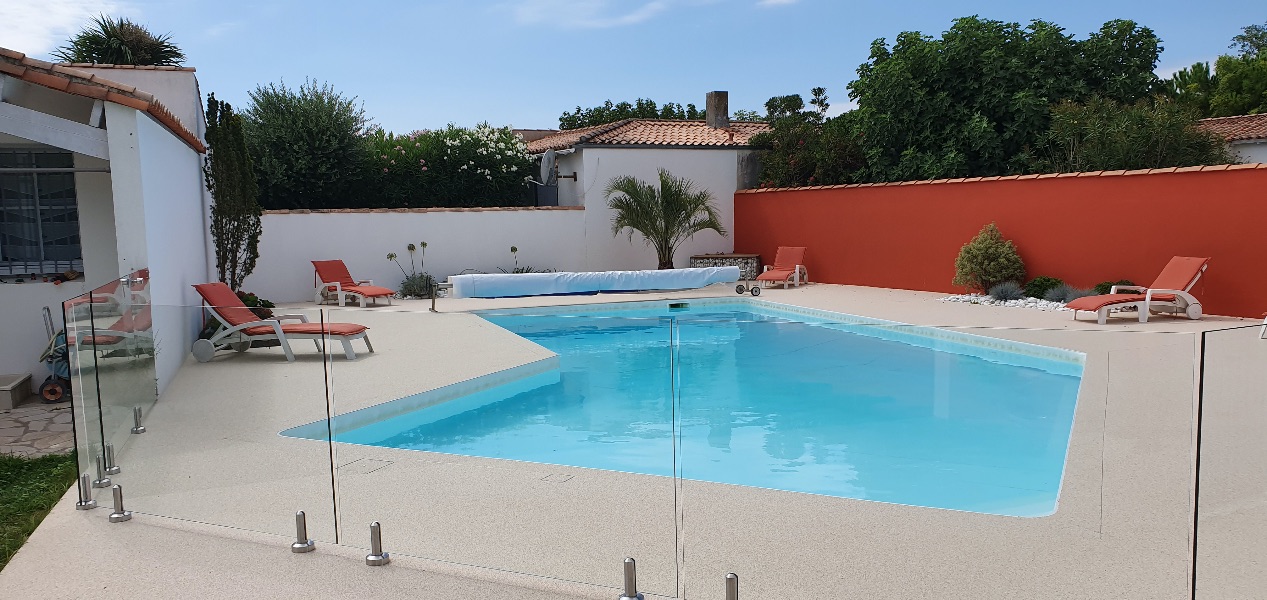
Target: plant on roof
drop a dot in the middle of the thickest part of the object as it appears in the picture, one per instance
(642, 108)
(665, 215)
(987, 260)
(119, 42)
(235, 208)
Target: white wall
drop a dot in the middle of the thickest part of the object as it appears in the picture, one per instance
(23, 327)
(1251, 152)
(456, 240)
(96, 222)
(175, 237)
(714, 170)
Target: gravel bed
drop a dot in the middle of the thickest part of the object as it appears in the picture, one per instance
(1022, 303)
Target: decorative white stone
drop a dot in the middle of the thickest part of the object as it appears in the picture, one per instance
(1035, 303)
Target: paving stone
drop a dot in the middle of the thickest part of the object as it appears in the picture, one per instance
(62, 417)
(59, 427)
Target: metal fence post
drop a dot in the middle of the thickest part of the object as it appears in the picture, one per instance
(85, 494)
(732, 586)
(302, 543)
(137, 427)
(376, 557)
(119, 515)
(631, 581)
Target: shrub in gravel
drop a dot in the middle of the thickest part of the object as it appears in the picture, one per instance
(988, 259)
(1105, 287)
(1039, 286)
(1008, 290)
(1066, 293)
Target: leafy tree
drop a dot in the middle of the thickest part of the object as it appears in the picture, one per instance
(1252, 41)
(666, 215)
(235, 210)
(747, 116)
(119, 42)
(309, 145)
(642, 108)
(1103, 135)
(454, 166)
(803, 147)
(974, 101)
(1242, 86)
(1193, 87)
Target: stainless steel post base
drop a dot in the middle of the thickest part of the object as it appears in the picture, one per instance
(119, 515)
(101, 481)
(376, 557)
(137, 427)
(631, 581)
(732, 586)
(111, 468)
(85, 494)
(302, 543)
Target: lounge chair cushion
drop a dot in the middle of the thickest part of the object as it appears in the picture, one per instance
(1094, 303)
(369, 291)
(330, 329)
(776, 275)
(226, 303)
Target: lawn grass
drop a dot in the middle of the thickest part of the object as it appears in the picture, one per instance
(29, 487)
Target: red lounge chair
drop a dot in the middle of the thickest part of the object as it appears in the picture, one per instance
(130, 326)
(337, 281)
(1168, 294)
(789, 266)
(244, 326)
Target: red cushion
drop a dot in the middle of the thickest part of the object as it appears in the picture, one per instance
(370, 291)
(226, 303)
(331, 329)
(776, 275)
(1094, 303)
(333, 271)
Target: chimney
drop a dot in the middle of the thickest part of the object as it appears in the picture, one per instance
(716, 110)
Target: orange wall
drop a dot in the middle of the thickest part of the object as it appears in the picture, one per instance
(1084, 229)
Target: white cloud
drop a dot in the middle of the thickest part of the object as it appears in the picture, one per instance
(37, 28)
(769, 3)
(586, 14)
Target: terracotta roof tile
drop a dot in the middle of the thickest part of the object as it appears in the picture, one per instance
(1245, 127)
(652, 132)
(1239, 167)
(71, 79)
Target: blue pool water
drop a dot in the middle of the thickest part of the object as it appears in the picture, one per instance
(761, 397)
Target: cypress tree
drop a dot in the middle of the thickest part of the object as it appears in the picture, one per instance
(235, 209)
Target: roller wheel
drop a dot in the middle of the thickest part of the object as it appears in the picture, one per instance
(756, 290)
(241, 346)
(203, 351)
(53, 391)
(741, 289)
(1193, 311)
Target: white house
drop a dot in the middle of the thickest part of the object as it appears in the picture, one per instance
(714, 153)
(1246, 135)
(100, 177)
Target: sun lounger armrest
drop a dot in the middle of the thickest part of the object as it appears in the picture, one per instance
(1150, 293)
(1117, 288)
(365, 282)
(300, 318)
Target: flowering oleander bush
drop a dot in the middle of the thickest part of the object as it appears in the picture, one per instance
(454, 166)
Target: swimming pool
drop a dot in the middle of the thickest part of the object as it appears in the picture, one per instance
(752, 393)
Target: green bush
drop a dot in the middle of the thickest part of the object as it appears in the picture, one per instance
(308, 146)
(1039, 286)
(451, 167)
(988, 260)
(1106, 286)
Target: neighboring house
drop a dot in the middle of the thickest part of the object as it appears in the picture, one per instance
(713, 153)
(1246, 135)
(98, 177)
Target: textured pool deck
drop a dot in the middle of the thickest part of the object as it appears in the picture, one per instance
(214, 487)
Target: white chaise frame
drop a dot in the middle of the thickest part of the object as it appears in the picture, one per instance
(1184, 302)
(323, 292)
(796, 279)
(243, 342)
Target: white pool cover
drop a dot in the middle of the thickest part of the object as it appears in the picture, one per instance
(503, 285)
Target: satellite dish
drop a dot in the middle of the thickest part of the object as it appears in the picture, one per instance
(549, 176)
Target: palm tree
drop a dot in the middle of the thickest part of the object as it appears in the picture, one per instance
(665, 216)
(119, 42)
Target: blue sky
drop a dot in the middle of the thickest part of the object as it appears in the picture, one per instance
(426, 63)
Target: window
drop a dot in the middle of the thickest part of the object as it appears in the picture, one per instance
(39, 217)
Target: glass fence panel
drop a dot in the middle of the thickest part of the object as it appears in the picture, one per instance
(1231, 534)
(227, 387)
(823, 457)
(123, 344)
(81, 378)
(533, 443)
